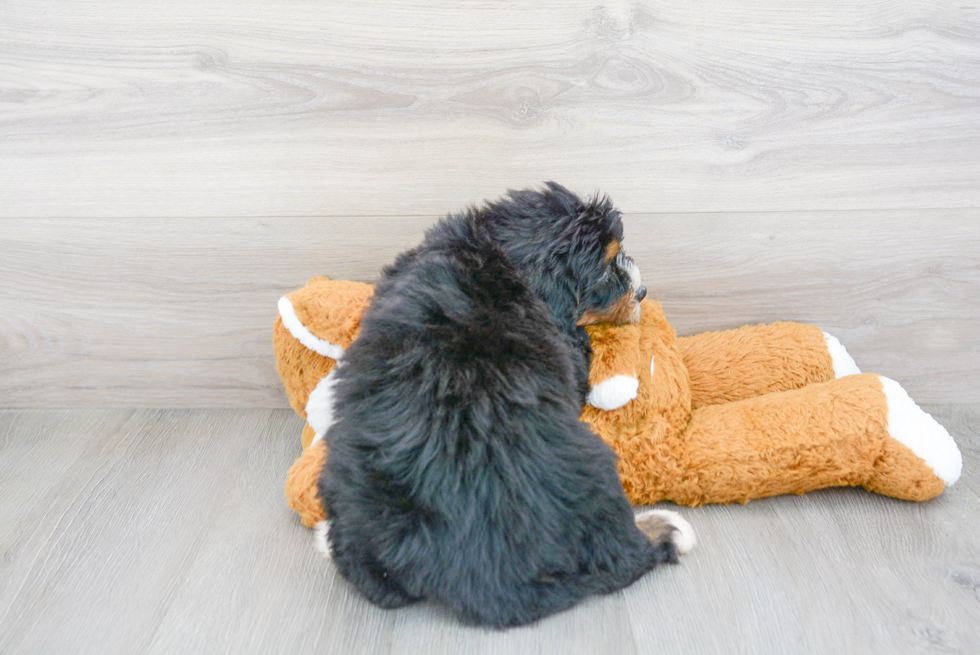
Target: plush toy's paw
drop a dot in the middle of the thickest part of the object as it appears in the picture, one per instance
(843, 362)
(614, 392)
(301, 484)
(662, 525)
(921, 433)
(322, 544)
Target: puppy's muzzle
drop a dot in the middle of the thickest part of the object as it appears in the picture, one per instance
(627, 309)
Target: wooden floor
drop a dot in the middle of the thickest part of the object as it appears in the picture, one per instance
(166, 531)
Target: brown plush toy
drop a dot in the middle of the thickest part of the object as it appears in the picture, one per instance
(713, 418)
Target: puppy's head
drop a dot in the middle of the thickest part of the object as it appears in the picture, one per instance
(613, 290)
(571, 251)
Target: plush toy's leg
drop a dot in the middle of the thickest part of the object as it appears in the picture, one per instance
(918, 432)
(853, 431)
(615, 364)
(307, 436)
(755, 360)
(301, 484)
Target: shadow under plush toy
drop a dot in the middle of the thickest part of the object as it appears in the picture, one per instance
(713, 418)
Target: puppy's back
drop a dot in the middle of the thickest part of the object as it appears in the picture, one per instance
(458, 469)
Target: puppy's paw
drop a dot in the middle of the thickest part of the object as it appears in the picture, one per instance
(320, 541)
(664, 526)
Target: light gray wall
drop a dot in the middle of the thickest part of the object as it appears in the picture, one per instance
(168, 170)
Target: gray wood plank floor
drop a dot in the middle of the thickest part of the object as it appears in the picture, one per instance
(165, 531)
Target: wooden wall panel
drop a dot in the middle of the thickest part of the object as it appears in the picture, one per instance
(168, 168)
(332, 108)
(178, 312)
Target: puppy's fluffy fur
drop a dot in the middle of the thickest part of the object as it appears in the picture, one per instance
(459, 471)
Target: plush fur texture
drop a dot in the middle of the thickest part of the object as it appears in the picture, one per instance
(714, 418)
(331, 315)
(459, 470)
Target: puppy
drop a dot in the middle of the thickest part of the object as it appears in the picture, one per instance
(459, 471)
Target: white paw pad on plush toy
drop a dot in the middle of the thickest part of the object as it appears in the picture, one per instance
(921, 433)
(843, 363)
(614, 392)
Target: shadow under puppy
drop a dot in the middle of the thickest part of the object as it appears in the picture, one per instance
(459, 471)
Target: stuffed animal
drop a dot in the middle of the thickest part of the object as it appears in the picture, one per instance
(712, 418)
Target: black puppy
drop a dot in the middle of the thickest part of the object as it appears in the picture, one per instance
(459, 470)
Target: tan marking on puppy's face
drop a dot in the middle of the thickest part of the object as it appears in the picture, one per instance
(622, 312)
(626, 309)
(612, 249)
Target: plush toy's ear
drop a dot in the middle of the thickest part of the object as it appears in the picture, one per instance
(325, 315)
(315, 325)
(615, 358)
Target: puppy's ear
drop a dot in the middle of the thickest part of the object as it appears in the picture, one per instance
(612, 249)
(598, 211)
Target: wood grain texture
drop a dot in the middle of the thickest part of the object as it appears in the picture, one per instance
(307, 108)
(257, 585)
(901, 290)
(39, 452)
(167, 532)
(179, 312)
(109, 546)
(166, 312)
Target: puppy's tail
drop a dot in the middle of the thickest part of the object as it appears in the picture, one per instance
(669, 533)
